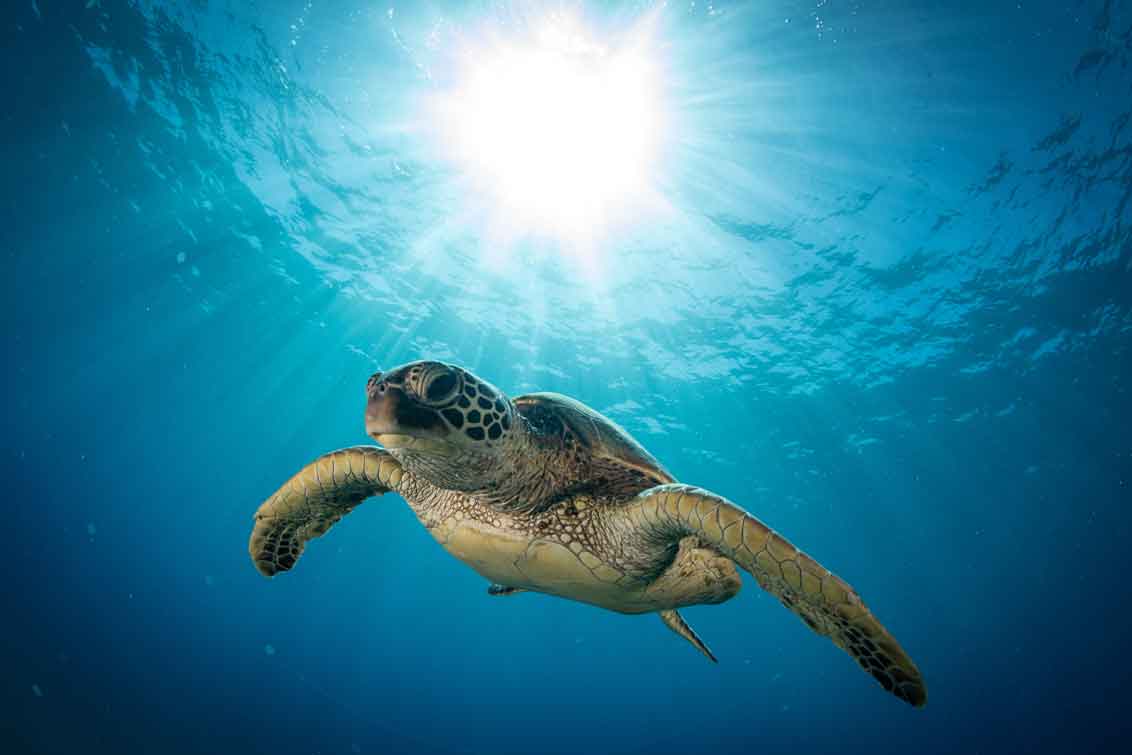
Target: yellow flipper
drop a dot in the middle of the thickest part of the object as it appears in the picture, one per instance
(823, 601)
(314, 499)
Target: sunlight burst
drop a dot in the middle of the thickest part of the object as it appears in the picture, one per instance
(561, 131)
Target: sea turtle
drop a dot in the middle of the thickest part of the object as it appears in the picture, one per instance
(542, 493)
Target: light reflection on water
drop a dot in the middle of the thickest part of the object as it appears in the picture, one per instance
(832, 215)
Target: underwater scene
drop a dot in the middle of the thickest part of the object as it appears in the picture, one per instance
(701, 377)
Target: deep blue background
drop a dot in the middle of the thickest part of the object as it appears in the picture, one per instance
(893, 321)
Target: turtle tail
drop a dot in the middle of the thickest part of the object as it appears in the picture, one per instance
(823, 601)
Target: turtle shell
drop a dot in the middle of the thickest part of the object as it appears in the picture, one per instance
(605, 439)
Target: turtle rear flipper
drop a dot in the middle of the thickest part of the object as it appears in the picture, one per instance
(497, 590)
(314, 499)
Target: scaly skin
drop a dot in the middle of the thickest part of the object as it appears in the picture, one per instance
(820, 598)
(576, 549)
(544, 494)
(316, 497)
(614, 553)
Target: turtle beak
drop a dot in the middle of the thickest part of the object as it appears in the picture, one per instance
(380, 413)
(393, 418)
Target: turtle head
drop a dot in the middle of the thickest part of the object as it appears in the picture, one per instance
(443, 423)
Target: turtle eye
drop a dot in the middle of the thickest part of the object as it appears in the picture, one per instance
(442, 387)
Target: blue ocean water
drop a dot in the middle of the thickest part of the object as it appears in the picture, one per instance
(887, 308)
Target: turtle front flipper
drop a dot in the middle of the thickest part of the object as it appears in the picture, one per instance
(823, 601)
(314, 499)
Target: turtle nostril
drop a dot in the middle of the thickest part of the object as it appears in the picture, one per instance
(375, 383)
